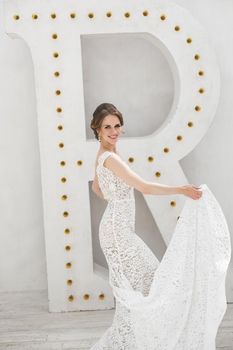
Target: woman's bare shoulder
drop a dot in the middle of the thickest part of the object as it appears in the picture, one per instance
(121, 169)
(98, 155)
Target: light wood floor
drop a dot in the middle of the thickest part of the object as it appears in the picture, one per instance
(26, 324)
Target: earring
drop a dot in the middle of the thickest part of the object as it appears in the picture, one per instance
(99, 138)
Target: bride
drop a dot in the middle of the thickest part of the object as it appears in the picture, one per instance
(107, 124)
(167, 305)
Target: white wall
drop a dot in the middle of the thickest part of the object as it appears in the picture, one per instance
(22, 248)
(22, 252)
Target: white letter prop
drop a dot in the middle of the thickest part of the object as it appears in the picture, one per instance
(52, 30)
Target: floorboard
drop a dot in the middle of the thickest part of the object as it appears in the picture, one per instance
(26, 324)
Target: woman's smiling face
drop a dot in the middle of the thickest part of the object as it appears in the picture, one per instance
(110, 129)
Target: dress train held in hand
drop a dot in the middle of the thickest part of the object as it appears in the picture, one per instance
(175, 304)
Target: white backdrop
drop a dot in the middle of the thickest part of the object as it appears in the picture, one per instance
(22, 254)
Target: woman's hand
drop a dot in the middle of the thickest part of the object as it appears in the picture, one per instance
(191, 191)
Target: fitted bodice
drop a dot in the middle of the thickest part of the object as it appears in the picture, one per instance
(112, 187)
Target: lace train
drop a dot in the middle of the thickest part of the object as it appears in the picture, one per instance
(176, 304)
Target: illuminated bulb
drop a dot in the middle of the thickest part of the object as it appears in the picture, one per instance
(173, 203)
(150, 159)
(189, 40)
(86, 296)
(53, 15)
(67, 231)
(54, 36)
(71, 298)
(197, 108)
(201, 73)
(109, 14)
(67, 247)
(56, 74)
(61, 145)
(72, 15)
(79, 162)
(162, 17)
(145, 13)
(62, 163)
(64, 197)
(63, 179)
(131, 159)
(90, 15)
(179, 137)
(157, 174)
(34, 16)
(197, 57)
(16, 17)
(65, 214)
(127, 14)
(59, 109)
(69, 282)
(60, 127)
(201, 91)
(68, 265)
(58, 92)
(190, 124)
(101, 296)
(55, 54)
(177, 28)
(166, 150)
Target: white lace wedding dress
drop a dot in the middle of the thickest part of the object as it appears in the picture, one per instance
(175, 304)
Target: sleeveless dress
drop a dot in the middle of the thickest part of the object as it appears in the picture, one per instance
(175, 304)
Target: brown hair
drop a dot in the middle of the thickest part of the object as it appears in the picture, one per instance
(100, 113)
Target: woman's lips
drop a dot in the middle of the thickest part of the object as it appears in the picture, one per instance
(113, 137)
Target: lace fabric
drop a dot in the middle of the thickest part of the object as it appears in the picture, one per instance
(175, 304)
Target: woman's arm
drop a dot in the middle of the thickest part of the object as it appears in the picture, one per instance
(122, 170)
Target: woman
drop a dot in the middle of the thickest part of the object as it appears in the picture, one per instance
(107, 125)
(151, 302)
